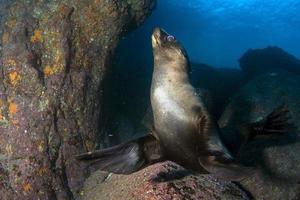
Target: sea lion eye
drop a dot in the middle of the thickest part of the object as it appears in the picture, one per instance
(170, 38)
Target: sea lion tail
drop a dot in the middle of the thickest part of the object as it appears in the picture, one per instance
(276, 123)
(125, 158)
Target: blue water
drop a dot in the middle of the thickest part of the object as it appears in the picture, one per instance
(218, 32)
(214, 32)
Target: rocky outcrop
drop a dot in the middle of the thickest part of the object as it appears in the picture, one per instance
(277, 158)
(216, 85)
(162, 181)
(54, 60)
(257, 61)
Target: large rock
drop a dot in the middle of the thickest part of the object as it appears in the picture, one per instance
(163, 181)
(54, 58)
(257, 61)
(216, 85)
(277, 158)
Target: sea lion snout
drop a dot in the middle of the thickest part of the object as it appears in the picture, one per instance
(160, 36)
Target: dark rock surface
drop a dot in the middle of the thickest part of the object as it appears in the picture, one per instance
(54, 58)
(278, 157)
(216, 85)
(257, 61)
(162, 181)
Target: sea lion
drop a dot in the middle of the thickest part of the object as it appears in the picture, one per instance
(182, 123)
(183, 129)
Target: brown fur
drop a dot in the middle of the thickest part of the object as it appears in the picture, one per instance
(182, 122)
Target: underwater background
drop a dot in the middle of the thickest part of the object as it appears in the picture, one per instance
(214, 33)
(76, 77)
(219, 32)
(244, 59)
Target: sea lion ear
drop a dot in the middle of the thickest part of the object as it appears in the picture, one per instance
(170, 38)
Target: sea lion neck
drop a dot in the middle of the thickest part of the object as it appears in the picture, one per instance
(170, 74)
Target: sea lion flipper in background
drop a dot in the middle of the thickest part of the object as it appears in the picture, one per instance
(276, 123)
(125, 158)
(223, 165)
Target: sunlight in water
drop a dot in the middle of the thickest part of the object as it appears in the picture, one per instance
(272, 12)
(218, 32)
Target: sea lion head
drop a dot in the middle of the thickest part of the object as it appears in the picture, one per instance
(167, 51)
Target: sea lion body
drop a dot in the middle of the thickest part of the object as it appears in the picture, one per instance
(173, 111)
(183, 129)
(181, 121)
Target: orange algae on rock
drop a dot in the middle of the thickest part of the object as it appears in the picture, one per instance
(54, 53)
(27, 187)
(48, 71)
(12, 108)
(37, 36)
(14, 78)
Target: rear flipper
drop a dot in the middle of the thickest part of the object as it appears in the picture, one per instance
(125, 158)
(223, 166)
(276, 123)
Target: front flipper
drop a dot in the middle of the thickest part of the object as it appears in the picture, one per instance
(125, 158)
